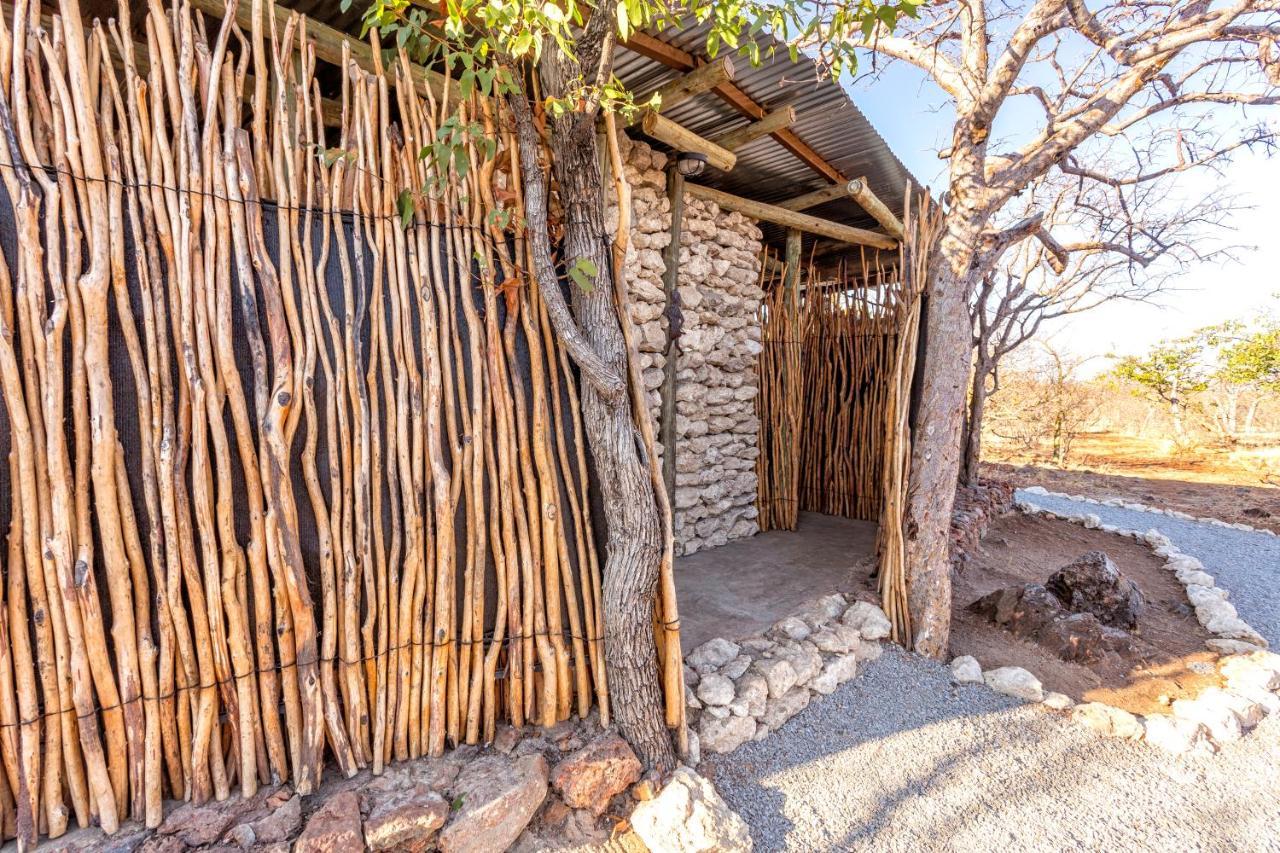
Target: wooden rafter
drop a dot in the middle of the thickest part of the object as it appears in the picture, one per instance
(682, 139)
(792, 219)
(771, 123)
(681, 60)
(691, 84)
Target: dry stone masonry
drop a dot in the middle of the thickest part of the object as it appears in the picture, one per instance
(719, 290)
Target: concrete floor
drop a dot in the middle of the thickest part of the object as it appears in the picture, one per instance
(742, 588)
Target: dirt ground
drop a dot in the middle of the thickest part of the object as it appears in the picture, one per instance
(1019, 550)
(1255, 505)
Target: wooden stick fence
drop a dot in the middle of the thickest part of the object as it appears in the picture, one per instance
(297, 462)
(826, 369)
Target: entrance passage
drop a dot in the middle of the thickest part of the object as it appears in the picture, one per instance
(742, 588)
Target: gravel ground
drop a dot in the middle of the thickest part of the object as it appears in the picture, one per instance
(1243, 562)
(901, 759)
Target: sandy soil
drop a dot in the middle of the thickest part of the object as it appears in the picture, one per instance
(1019, 550)
(1255, 505)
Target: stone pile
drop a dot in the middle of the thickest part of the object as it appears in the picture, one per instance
(741, 691)
(719, 294)
(1249, 675)
(971, 516)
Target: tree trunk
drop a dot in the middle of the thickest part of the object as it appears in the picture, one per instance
(973, 427)
(634, 544)
(935, 452)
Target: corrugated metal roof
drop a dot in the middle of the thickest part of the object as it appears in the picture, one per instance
(826, 119)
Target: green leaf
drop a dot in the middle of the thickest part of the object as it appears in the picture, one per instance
(405, 204)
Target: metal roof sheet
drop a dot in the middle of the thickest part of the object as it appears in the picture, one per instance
(826, 119)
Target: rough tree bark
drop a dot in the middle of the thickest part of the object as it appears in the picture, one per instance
(634, 548)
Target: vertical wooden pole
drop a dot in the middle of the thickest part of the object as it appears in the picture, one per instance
(792, 259)
(670, 280)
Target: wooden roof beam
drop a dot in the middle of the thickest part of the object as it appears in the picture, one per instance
(871, 203)
(691, 84)
(817, 197)
(771, 123)
(681, 60)
(792, 219)
(682, 139)
(328, 43)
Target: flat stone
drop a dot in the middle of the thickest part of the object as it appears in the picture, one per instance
(335, 827)
(688, 816)
(498, 799)
(1220, 720)
(868, 620)
(712, 654)
(1107, 720)
(1058, 701)
(715, 689)
(722, 735)
(1176, 735)
(966, 670)
(405, 820)
(837, 639)
(281, 825)
(1242, 671)
(1249, 712)
(598, 772)
(1225, 646)
(1016, 682)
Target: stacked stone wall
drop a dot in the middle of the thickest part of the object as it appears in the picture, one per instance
(719, 285)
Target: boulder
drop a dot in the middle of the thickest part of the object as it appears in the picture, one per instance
(753, 691)
(868, 650)
(868, 620)
(1092, 583)
(734, 668)
(1249, 712)
(335, 827)
(712, 654)
(1058, 701)
(595, 774)
(405, 820)
(1107, 720)
(497, 798)
(688, 816)
(835, 640)
(1016, 682)
(281, 825)
(715, 689)
(1176, 735)
(792, 627)
(726, 734)
(966, 670)
(1224, 646)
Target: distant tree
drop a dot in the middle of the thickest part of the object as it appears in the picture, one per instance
(1247, 371)
(1171, 372)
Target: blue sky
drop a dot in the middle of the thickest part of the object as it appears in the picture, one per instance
(914, 118)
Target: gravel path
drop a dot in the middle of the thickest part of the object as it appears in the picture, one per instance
(901, 759)
(1243, 562)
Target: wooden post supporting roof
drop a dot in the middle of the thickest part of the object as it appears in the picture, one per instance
(792, 219)
(683, 139)
(329, 42)
(670, 285)
(692, 84)
(771, 123)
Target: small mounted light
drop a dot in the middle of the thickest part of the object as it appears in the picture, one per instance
(691, 164)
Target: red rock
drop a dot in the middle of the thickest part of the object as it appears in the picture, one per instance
(595, 774)
(281, 825)
(1092, 583)
(335, 827)
(406, 820)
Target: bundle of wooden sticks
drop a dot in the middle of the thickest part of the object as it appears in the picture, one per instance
(297, 463)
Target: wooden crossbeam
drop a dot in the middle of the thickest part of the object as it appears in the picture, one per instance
(771, 123)
(817, 197)
(792, 219)
(682, 139)
(328, 43)
(871, 203)
(681, 60)
(692, 84)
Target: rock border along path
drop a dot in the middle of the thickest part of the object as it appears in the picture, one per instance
(1216, 715)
